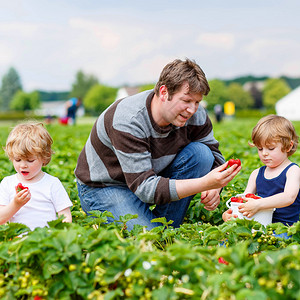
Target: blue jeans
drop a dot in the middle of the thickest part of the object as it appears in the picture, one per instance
(283, 235)
(193, 161)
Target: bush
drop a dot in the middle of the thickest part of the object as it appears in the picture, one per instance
(19, 115)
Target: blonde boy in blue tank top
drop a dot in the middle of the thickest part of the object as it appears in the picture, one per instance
(278, 181)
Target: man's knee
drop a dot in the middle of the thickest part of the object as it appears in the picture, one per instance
(200, 154)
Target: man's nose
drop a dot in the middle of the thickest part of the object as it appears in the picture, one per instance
(192, 108)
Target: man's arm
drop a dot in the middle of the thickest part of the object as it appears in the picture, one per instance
(215, 179)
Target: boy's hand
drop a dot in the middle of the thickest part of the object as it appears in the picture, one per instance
(250, 208)
(22, 197)
(227, 215)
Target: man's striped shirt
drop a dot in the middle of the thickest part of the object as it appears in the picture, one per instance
(126, 147)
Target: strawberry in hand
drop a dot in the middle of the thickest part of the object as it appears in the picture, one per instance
(20, 187)
(232, 162)
(22, 194)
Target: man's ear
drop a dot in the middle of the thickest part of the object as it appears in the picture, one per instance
(163, 93)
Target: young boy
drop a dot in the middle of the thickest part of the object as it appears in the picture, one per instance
(278, 181)
(29, 148)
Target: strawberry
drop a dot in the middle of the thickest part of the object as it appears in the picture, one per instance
(232, 162)
(252, 196)
(221, 260)
(237, 199)
(20, 187)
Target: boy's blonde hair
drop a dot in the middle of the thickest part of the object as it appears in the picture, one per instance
(273, 128)
(29, 139)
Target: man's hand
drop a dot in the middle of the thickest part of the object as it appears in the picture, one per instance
(210, 199)
(221, 176)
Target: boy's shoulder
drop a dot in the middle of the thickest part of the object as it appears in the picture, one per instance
(256, 171)
(49, 177)
(49, 182)
(9, 178)
(293, 167)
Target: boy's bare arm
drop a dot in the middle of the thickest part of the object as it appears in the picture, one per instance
(251, 185)
(8, 211)
(67, 214)
(286, 198)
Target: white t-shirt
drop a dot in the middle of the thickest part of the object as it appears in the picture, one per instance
(48, 196)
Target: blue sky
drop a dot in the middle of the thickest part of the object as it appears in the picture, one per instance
(129, 42)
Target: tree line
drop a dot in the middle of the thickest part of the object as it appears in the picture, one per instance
(245, 92)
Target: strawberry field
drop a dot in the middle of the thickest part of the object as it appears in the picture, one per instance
(203, 259)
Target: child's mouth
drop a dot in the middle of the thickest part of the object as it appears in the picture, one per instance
(24, 173)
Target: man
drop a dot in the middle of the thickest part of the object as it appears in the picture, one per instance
(156, 147)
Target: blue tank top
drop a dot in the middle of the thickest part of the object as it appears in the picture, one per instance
(268, 187)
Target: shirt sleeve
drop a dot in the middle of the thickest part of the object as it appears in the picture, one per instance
(4, 192)
(134, 156)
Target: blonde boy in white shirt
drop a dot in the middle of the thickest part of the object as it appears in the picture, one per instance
(28, 146)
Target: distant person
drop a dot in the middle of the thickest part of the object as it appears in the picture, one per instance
(218, 112)
(155, 147)
(28, 146)
(278, 181)
(72, 106)
(48, 119)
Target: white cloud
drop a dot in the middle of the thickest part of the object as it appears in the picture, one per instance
(131, 44)
(18, 29)
(291, 68)
(115, 51)
(280, 54)
(225, 41)
(6, 54)
(104, 33)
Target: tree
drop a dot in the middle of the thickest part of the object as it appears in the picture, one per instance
(241, 98)
(274, 90)
(82, 84)
(25, 101)
(11, 83)
(218, 94)
(98, 98)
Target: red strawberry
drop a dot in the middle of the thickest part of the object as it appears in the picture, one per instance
(232, 162)
(221, 260)
(237, 199)
(252, 196)
(20, 187)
